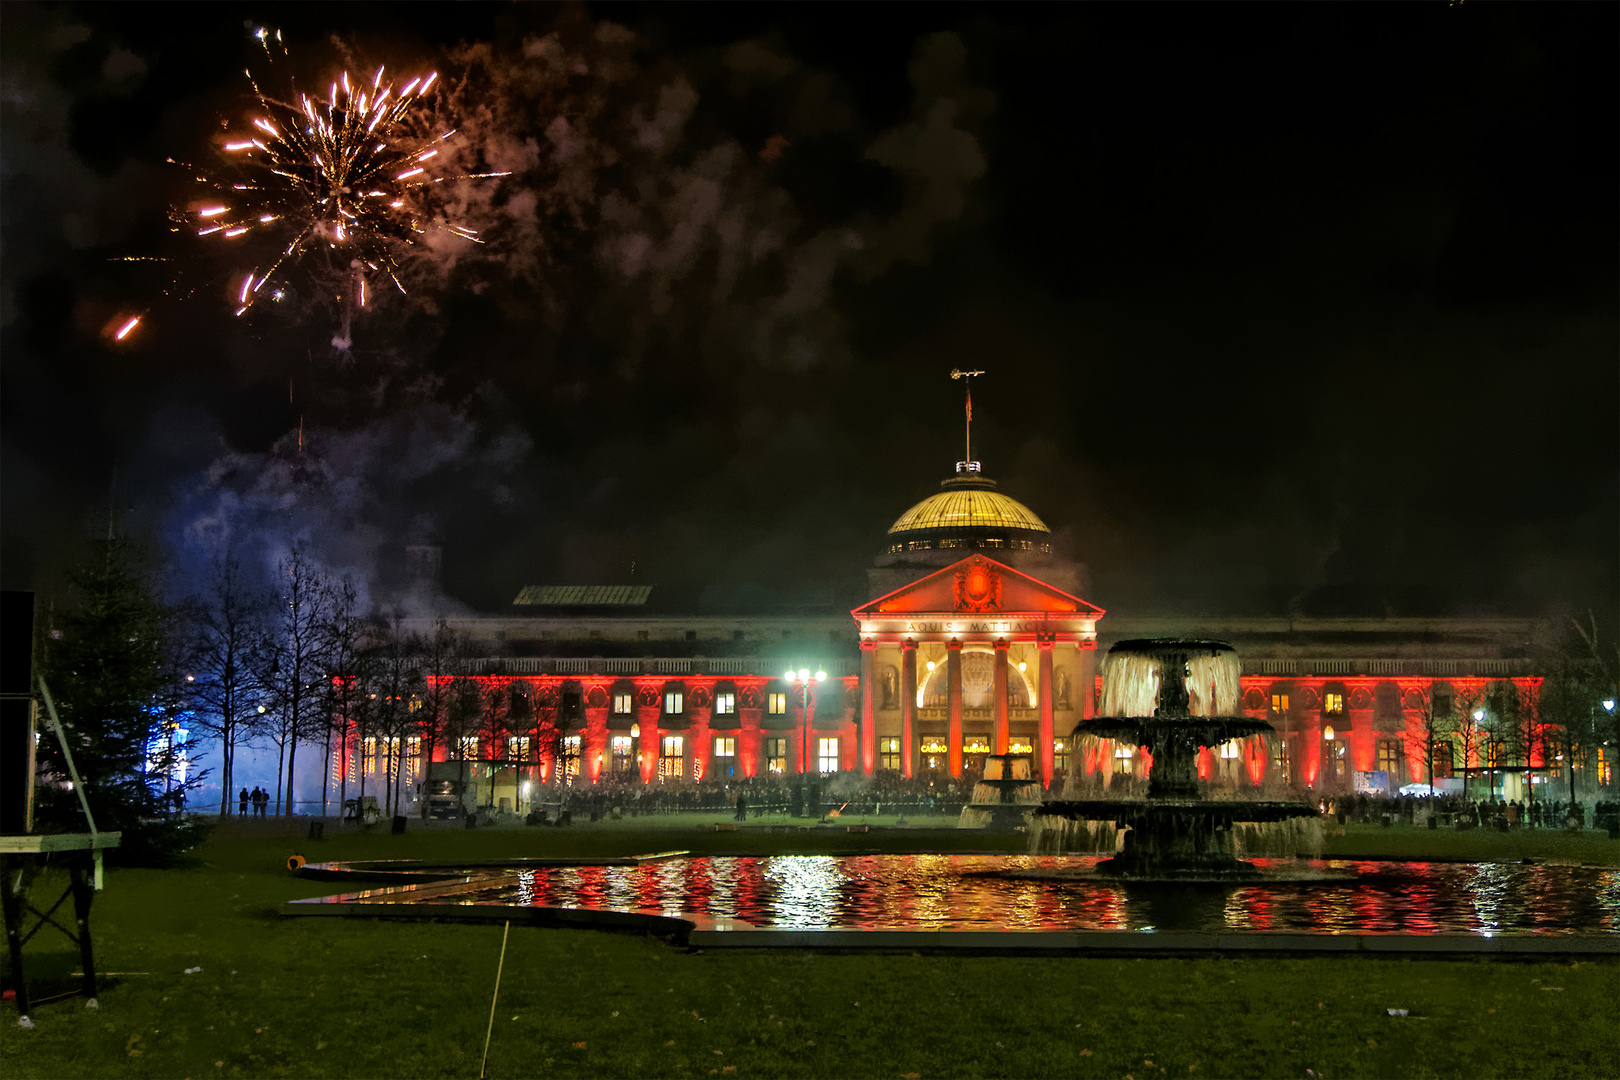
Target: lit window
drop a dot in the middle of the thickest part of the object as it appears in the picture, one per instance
(1389, 756)
(1332, 704)
(571, 746)
(624, 703)
(776, 704)
(517, 748)
(934, 744)
(889, 753)
(673, 763)
(622, 753)
(1020, 746)
(1124, 759)
(975, 744)
(1060, 753)
(1605, 767)
(468, 746)
(827, 760)
(1443, 762)
(1279, 703)
(725, 704)
(674, 702)
(725, 746)
(776, 752)
(1229, 750)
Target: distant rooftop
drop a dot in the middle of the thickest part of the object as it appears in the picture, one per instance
(583, 595)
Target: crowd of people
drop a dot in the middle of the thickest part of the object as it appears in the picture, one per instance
(886, 792)
(1458, 811)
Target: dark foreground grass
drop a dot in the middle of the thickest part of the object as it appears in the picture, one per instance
(319, 997)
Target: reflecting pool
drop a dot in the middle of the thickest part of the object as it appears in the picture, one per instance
(1051, 893)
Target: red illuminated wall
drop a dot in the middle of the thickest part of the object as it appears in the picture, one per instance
(1359, 727)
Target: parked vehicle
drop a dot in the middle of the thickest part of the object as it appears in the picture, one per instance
(450, 790)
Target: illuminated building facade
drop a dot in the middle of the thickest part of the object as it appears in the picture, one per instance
(978, 641)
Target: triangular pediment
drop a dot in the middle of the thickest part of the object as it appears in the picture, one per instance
(978, 585)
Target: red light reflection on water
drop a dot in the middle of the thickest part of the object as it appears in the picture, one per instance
(968, 892)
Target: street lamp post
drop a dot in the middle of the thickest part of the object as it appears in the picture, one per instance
(805, 681)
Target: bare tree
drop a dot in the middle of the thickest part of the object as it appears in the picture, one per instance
(1523, 734)
(297, 663)
(492, 730)
(227, 641)
(1431, 739)
(1505, 744)
(463, 712)
(1579, 679)
(1470, 735)
(345, 634)
(392, 697)
(440, 663)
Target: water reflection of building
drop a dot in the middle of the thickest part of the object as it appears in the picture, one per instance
(978, 640)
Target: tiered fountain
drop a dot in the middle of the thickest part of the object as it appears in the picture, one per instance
(1168, 696)
(1005, 796)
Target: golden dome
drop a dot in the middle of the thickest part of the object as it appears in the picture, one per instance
(969, 508)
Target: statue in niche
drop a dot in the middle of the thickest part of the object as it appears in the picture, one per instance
(1060, 694)
(891, 687)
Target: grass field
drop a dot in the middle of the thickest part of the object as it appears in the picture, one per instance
(317, 997)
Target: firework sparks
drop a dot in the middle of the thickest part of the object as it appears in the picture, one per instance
(128, 328)
(347, 175)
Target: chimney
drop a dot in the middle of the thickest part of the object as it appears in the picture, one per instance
(422, 562)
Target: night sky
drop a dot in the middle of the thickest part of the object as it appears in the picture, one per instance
(1283, 308)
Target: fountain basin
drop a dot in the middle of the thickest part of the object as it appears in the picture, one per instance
(1038, 902)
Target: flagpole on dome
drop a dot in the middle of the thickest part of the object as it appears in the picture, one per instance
(967, 466)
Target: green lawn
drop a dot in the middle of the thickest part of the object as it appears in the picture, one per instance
(320, 997)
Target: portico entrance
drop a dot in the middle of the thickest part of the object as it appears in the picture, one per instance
(980, 656)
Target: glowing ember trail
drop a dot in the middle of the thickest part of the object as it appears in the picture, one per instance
(340, 175)
(128, 327)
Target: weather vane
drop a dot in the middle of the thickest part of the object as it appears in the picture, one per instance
(968, 466)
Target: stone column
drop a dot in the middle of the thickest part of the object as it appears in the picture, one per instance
(868, 721)
(803, 749)
(1044, 690)
(998, 694)
(647, 746)
(750, 739)
(1087, 688)
(594, 746)
(908, 707)
(953, 681)
(699, 741)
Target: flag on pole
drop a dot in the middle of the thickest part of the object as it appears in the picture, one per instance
(970, 403)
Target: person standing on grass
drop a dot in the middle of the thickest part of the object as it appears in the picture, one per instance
(241, 806)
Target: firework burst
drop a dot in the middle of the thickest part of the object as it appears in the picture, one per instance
(343, 182)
